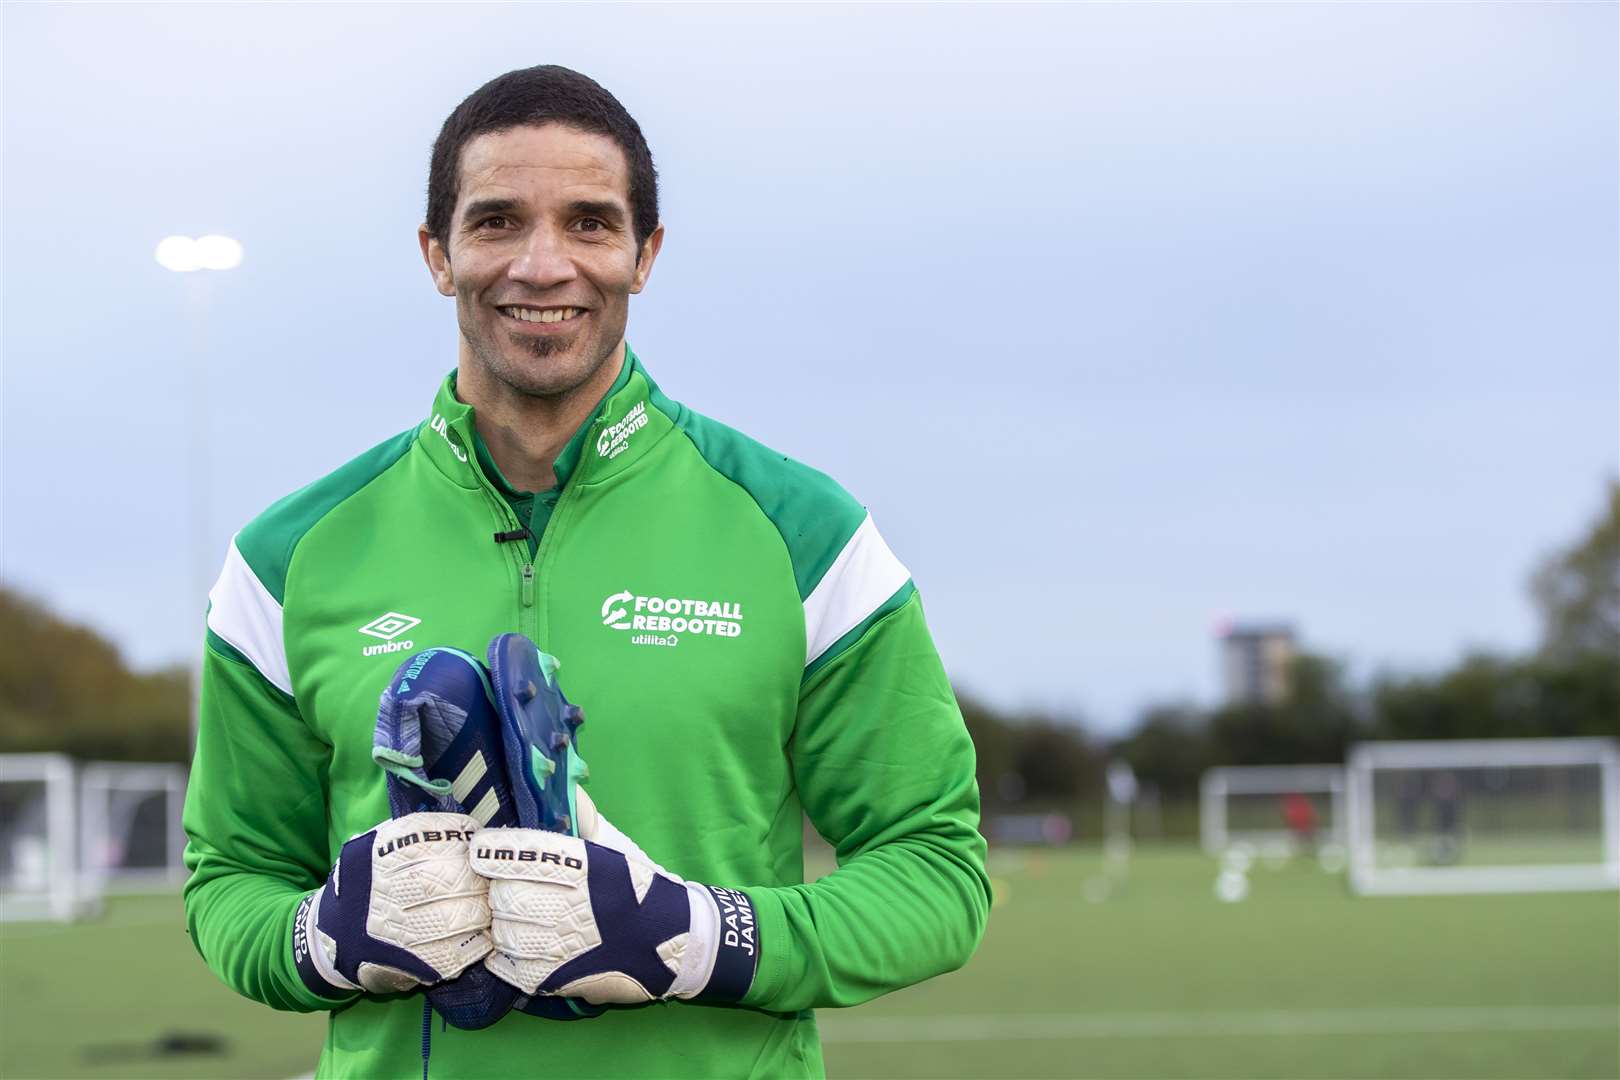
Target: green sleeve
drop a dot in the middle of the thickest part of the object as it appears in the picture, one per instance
(255, 822)
(885, 769)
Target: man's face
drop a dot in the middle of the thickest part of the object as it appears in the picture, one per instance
(541, 257)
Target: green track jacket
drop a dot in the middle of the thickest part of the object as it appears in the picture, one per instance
(746, 649)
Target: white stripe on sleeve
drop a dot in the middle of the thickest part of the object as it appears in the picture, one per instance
(864, 575)
(242, 611)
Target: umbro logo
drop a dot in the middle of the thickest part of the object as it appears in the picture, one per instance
(388, 627)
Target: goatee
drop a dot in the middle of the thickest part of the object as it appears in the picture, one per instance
(547, 347)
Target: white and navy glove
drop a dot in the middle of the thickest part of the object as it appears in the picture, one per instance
(401, 909)
(592, 917)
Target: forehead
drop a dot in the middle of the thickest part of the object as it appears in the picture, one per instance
(542, 164)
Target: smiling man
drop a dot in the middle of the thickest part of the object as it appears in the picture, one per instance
(748, 649)
(542, 251)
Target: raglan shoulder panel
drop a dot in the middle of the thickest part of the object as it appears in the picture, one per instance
(267, 542)
(845, 573)
(245, 604)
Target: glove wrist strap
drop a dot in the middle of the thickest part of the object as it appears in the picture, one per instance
(310, 957)
(735, 946)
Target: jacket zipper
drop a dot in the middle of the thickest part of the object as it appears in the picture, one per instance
(547, 541)
(529, 612)
(503, 512)
(526, 610)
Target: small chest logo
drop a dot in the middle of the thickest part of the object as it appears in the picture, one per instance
(615, 438)
(661, 620)
(388, 627)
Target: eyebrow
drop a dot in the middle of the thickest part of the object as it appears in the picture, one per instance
(479, 207)
(601, 208)
(612, 211)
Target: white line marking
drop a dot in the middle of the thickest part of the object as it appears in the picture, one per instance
(1415, 1021)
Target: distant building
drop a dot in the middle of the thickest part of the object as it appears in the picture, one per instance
(1255, 661)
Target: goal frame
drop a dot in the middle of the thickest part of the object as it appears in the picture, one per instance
(60, 899)
(98, 780)
(1368, 879)
(1219, 782)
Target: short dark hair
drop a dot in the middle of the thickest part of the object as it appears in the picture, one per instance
(547, 94)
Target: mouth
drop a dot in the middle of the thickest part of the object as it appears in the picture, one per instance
(540, 316)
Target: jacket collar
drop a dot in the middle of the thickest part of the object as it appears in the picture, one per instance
(623, 427)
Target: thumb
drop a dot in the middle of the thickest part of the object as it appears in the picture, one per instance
(599, 830)
(589, 818)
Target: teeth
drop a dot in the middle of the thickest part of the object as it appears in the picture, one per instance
(543, 315)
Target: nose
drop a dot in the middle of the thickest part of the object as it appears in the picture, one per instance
(543, 262)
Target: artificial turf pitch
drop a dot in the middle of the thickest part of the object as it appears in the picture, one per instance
(1156, 978)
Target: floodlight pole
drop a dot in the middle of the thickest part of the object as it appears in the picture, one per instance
(182, 254)
(198, 477)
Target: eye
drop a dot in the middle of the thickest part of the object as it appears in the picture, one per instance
(591, 224)
(495, 221)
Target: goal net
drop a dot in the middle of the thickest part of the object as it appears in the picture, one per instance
(130, 836)
(38, 879)
(1271, 809)
(1495, 815)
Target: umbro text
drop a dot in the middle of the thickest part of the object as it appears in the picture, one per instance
(426, 836)
(528, 855)
(387, 647)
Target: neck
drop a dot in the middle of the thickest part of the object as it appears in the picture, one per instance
(525, 433)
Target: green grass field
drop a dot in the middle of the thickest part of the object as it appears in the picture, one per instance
(1157, 979)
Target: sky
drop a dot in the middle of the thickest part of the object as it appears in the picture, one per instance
(1121, 319)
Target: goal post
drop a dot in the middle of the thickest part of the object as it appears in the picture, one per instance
(1270, 807)
(130, 833)
(38, 868)
(1483, 816)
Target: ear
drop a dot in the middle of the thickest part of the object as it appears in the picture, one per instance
(644, 258)
(438, 262)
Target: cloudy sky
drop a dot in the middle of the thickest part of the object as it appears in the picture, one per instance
(1122, 319)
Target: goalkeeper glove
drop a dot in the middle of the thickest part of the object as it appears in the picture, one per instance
(401, 909)
(596, 919)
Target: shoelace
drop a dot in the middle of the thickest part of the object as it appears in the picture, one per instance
(427, 1035)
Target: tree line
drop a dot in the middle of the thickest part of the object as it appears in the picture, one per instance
(65, 688)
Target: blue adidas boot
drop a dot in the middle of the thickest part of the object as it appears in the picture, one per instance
(538, 727)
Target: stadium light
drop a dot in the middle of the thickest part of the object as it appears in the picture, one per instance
(182, 254)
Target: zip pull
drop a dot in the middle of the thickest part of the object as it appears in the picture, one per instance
(528, 584)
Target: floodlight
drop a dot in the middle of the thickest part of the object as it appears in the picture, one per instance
(178, 253)
(215, 252)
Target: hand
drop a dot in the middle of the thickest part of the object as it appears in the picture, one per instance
(401, 909)
(596, 919)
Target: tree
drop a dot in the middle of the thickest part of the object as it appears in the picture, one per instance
(64, 687)
(1578, 590)
(1029, 758)
(1483, 697)
(992, 743)
(1314, 723)
(1170, 749)
(1493, 697)
(1056, 761)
